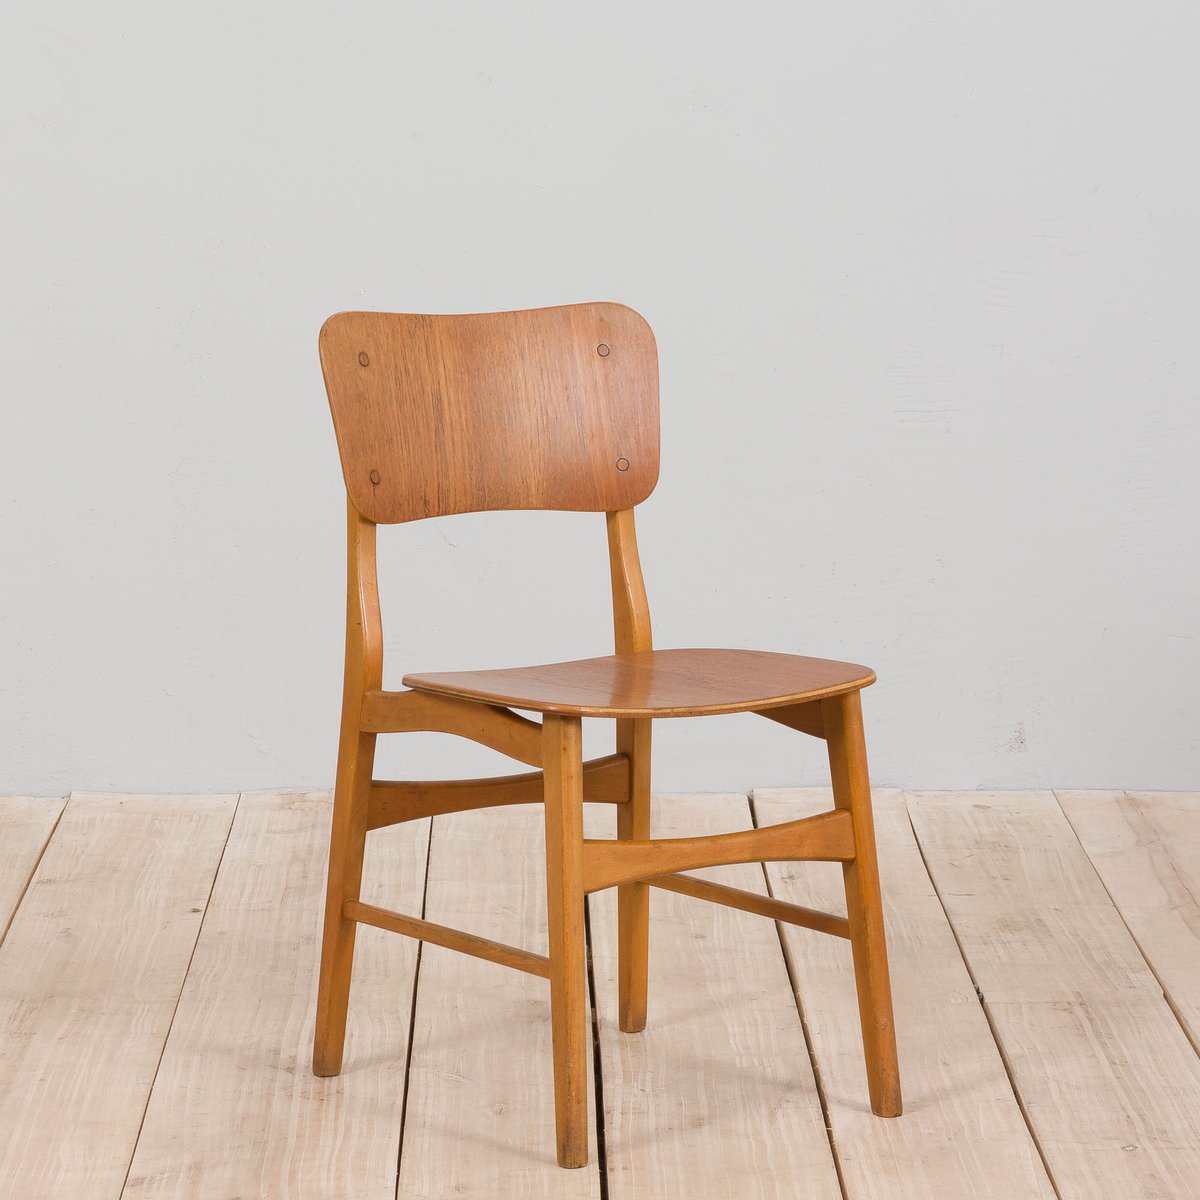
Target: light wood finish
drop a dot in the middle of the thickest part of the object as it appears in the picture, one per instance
(864, 910)
(554, 408)
(452, 939)
(828, 837)
(1146, 848)
(90, 974)
(1023, 841)
(27, 823)
(631, 635)
(490, 725)
(962, 1133)
(764, 906)
(806, 718)
(716, 1100)
(633, 899)
(605, 781)
(235, 1110)
(657, 683)
(631, 608)
(480, 1113)
(558, 409)
(1108, 1079)
(564, 906)
(352, 793)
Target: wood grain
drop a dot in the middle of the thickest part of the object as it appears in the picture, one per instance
(351, 793)
(716, 1098)
(826, 836)
(235, 1110)
(408, 712)
(631, 609)
(453, 939)
(1146, 848)
(551, 408)
(632, 634)
(656, 683)
(805, 718)
(605, 781)
(752, 902)
(481, 1104)
(563, 753)
(962, 1133)
(90, 974)
(704, 1103)
(843, 724)
(1025, 901)
(26, 822)
(1107, 1078)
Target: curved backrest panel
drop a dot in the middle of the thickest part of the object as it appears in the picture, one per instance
(552, 408)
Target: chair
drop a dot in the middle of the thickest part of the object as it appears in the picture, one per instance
(557, 408)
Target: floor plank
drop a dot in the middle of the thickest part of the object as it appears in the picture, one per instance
(717, 1097)
(89, 978)
(1108, 1079)
(481, 1110)
(26, 823)
(961, 1123)
(236, 1110)
(1146, 848)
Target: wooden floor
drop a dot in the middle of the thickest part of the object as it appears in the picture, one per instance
(157, 992)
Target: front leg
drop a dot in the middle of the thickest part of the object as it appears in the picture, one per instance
(864, 905)
(563, 766)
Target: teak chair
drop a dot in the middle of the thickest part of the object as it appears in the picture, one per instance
(557, 408)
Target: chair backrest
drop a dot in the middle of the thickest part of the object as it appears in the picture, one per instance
(549, 408)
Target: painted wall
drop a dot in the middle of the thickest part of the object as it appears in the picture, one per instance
(926, 284)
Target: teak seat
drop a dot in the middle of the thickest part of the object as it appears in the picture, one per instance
(557, 408)
(655, 683)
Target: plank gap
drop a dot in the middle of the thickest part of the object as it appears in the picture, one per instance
(412, 1011)
(481, 1116)
(236, 1109)
(598, 1069)
(90, 977)
(1008, 1070)
(37, 860)
(182, 984)
(717, 1095)
(794, 980)
(1192, 1037)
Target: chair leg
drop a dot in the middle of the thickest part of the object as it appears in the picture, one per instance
(347, 842)
(563, 766)
(864, 907)
(633, 899)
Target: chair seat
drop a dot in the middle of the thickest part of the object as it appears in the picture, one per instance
(655, 683)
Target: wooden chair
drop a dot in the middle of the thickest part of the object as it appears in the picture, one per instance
(557, 408)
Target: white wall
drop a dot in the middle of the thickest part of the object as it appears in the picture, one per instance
(926, 284)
